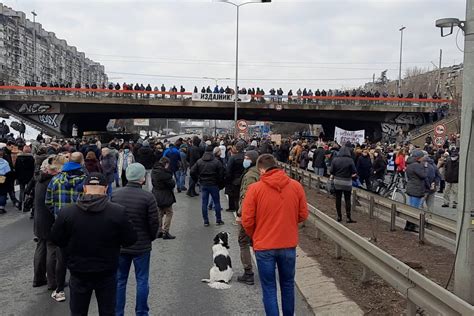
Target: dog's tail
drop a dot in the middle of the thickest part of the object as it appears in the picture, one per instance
(219, 285)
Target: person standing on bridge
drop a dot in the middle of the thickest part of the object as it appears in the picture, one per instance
(141, 208)
(92, 231)
(271, 211)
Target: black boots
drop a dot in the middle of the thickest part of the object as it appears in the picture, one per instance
(246, 278)
(167, 235)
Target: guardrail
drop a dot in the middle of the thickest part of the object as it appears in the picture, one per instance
(420, 292)
(391, 209)
(143, 94)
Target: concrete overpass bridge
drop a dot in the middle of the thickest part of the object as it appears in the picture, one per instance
(57, 109)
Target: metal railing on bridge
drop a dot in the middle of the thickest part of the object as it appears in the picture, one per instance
(276, 99)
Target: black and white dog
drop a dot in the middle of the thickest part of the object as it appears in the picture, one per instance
(221, 272)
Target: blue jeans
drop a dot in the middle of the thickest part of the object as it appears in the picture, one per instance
(285, 260)
(214, 192)
(109, 189)
(141, 264)
(180, 179)
(319, 171)
(416, 202)
(3, 200)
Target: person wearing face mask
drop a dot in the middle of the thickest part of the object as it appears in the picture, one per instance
(451, 176)
(251, 175)
(125, 159)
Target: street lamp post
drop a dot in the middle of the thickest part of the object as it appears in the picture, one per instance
(464, 261)
(236, 91)
(400, 65)
(34, 44)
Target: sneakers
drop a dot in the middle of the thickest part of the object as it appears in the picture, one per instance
(219, 223)
(246, 279)
(58, 296)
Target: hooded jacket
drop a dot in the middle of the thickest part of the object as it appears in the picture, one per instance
(416, 175)
(66, 187)
(342, 165)
(92, 232)
(208, 170)
(272, 209)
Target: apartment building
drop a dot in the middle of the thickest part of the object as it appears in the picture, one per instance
(52, 61)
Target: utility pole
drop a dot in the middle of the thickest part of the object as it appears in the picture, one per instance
(400, 65)
(464, 268)
(439, 72)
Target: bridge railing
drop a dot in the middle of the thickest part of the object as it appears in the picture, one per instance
(275, 99)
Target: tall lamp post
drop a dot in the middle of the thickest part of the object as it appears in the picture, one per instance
(236, 91)
(400, 65)
(464, 260)
(34, 44)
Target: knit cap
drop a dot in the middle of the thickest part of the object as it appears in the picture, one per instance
(135, 172)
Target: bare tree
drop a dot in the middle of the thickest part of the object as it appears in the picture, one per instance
(415, 71)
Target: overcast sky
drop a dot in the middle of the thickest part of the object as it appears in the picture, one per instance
(288, 44)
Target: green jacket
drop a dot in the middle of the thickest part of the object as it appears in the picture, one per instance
(251, 175)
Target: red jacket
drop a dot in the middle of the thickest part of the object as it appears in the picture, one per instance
(272, 209)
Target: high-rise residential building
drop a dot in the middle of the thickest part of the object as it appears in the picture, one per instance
(56, 61)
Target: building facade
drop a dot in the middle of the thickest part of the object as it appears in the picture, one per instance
(30, 53)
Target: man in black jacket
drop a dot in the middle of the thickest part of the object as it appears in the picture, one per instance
(210, 173)
(146, 157)
(233, 176)
(319, 163)
(451, 177)
(92, 232)
(142, 210)
(193, 155)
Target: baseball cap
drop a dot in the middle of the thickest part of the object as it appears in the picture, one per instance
(96, 178)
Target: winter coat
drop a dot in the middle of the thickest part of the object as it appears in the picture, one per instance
(250, 176)
(304, 159)
(364, 167)
(208, 170)
(272, 209)
(108, 164)
(401, 163)
(91, 147)
(146, 157)
(183, 164)
(174, 156)
(342, 168)
(122, 156)
(142, 211)
(416, 175)
(93, 165)
(319, 158)
(379, 167)
(163, 185)
(194, 154)
(234, 171)
(24, 167)
(433, 177)
(91, 233)
(451, 173)
(65, 188)
(44, 219)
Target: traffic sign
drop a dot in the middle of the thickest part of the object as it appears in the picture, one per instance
(278, 107)
(439, 141)
(440, 130)
(242, 125)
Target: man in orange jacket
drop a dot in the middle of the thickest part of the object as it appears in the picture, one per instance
(271, 211)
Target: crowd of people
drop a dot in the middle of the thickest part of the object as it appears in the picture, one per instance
(275, 95)
(97, 208)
